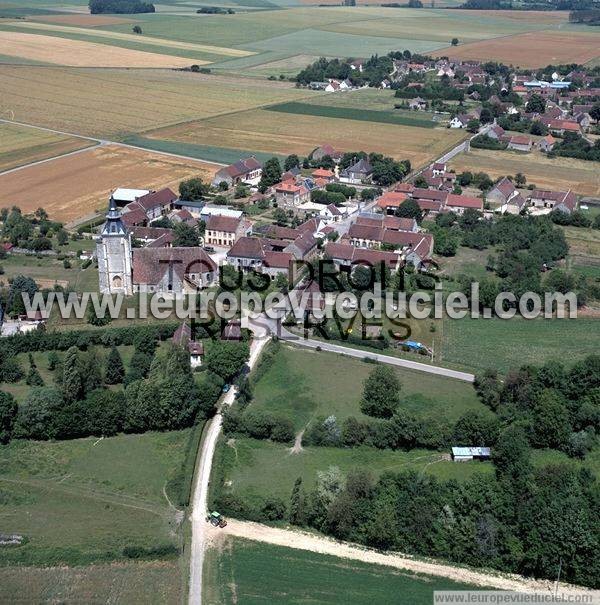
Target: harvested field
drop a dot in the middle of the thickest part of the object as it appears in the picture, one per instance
(75, 53)
(71, 100)
(20, 145)
(552, 173)
(81, 20)
(267, 132)
(79, 185)
(134, 38)
(536, 17)
(533, 49)
(134, 583)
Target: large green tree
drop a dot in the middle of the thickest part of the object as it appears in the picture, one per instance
(185, 235)
(226, 358)
(271, 174)
(115, 370)
(73, 382)
(8, 415)
(381, 393)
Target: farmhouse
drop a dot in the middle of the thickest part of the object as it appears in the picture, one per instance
(358, 173)
(515, 205)
(346, 256)
(322, 173)
(325, 150)
(225, 230)
(290, 195)
(157, 203)
(546, 144)
(183, 338)
(417, 104)
(502, 192)
(520, 142)
(253, 253)
(125, 196)
(556, 200)
(460, 203)
(562, 126)
(247, 171)
(390, 201)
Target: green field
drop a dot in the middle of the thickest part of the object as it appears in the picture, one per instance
(304, 384)
(245, 462)
(223, 155)
(503, 344)
(85, 500)
(135, 583)
(243, 572)
(348, 113)
(50, 269)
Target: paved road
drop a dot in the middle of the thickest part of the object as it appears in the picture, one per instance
(293, 339)
(200, 495)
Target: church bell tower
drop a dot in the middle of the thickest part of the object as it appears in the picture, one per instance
(113, 249)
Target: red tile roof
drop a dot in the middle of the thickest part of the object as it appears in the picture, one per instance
(228, 224)
(150, 264)
(464, 201)
(164, 197)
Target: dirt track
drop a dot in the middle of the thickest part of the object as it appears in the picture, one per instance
(320, 544)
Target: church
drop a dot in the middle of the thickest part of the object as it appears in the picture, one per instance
(123, 269)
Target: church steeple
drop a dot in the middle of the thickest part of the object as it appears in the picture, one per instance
(114, 224)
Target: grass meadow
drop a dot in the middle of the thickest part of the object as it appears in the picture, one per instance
(254, 469)
(85, 500)
(134, 583)
(244, 572)
(304, 384)
(504, 344)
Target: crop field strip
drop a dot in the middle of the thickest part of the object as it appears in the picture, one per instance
(531, 49)
(114, 37)
(77, 53)
(20, 145)
(257, 130)
(348, 113)
(551, 173)
(70, 99)
(95, 172)
(239, 570)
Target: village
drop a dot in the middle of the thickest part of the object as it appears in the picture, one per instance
(247, 426)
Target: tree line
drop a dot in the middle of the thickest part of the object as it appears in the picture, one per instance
(119, 7)
(159, 391)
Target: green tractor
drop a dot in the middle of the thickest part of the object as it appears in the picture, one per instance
(216, 519)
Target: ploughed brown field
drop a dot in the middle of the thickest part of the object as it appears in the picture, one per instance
(532, 49)
(80, 185)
